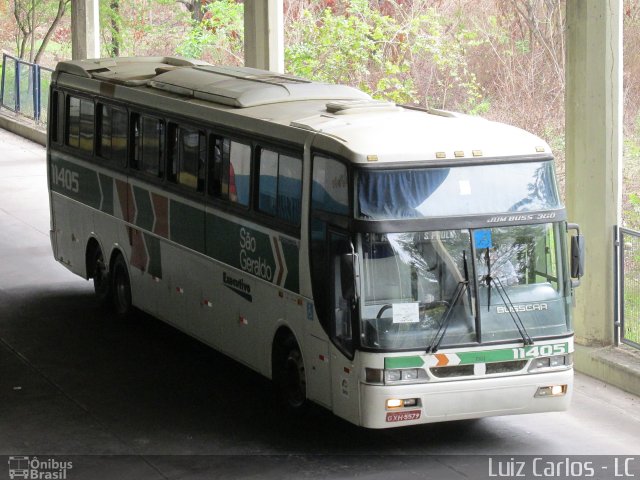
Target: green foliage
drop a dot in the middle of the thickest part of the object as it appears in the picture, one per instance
(386, 56)
(219, 37)
(633, 212)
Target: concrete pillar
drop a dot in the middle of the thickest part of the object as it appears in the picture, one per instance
(85, 29)
(594, 150)
(264, 34)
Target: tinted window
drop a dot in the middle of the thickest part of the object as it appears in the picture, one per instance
(86, 125)
(147, 138)
(112, 124)
(54, 116)
(229, 170)
(80, 123)
(280, 186)
(73, 122)
(118, 135)
(330, 188)
(187, 154)
(433, 192)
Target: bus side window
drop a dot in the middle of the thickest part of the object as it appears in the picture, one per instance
(103, 146)
(239, 173)
(280, 186)
(73, 121)
(229, 170)
(134, 161)
(147, 144)
(152, 146)
(55, 99)
(215, 166)
(186, 161)
(79, 113)
(118, 135)
(86, 125)
(330, 190)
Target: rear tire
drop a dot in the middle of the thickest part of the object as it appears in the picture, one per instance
(121, 288)
(101, 278)
(289, 375)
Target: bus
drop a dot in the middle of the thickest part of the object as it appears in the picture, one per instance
(396, 265)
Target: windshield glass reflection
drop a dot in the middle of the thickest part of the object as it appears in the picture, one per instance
(470, 190)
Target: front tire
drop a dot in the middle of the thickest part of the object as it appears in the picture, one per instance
(289, 376)
(121, 288)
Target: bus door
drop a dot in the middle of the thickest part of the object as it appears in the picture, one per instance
(342, 300)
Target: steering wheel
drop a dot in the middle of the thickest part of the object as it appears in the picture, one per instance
(382, 310)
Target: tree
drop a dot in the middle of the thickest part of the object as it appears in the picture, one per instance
(30, 15)
(405, 52)
(219, 36)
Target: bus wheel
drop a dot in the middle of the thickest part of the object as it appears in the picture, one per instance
(289, 375)
(100, 274)
(121, 287)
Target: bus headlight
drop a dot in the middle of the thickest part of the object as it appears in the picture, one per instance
(395, 375)
(551, 362)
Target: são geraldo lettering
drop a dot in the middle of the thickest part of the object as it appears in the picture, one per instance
(257, 266)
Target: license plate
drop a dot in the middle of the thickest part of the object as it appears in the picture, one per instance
(403, 416)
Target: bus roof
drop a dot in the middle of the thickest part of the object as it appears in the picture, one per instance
(349, 122)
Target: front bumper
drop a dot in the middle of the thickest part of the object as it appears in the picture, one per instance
(464, 399)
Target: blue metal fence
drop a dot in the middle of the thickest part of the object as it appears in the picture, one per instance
(24, 88)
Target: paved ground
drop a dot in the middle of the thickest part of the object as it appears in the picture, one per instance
(141, 400)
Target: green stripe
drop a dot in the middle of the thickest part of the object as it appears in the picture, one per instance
(403, 362)
(74, 181)
(144, 216)
(518, 353)
(155, 255)
(106, 183)
(291, 252)
(186, 225)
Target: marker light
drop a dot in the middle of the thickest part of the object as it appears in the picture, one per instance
(551, 391)
(398, 403)
(394, 403)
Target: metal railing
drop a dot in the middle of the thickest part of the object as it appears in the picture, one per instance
(628, 295)
(24, 88)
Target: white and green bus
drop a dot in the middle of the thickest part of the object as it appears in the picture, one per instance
(395, 265)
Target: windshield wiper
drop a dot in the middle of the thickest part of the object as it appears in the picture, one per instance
(512, 310)
(487, 278)
(461, 288)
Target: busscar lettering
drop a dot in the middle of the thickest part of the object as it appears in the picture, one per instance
(531, 307)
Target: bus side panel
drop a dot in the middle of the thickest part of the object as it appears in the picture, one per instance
(73, 187)
(318, 371)
(345, 391)
(66, 231)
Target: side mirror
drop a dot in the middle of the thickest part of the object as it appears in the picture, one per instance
(348, 265)
(577, 254)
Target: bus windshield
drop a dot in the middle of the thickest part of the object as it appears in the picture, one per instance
(410, 280)
(448, 191)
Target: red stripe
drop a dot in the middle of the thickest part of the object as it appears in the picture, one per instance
(279, 260)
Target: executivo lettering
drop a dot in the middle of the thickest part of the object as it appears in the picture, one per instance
(530, 307)
(238, 286)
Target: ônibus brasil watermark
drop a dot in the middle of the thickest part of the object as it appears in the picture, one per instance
(38, 469)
